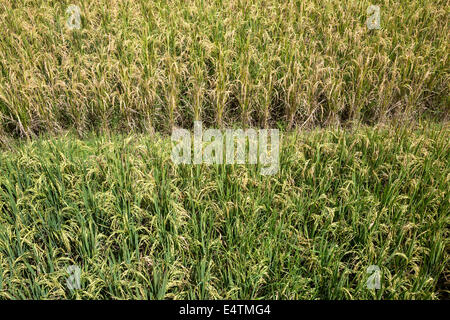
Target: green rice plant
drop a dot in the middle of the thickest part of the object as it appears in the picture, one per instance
(140, 227)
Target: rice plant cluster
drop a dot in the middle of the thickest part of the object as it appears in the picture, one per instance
(139, 226)
(150, 65)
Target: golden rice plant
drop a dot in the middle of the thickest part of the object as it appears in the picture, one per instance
(150, 65)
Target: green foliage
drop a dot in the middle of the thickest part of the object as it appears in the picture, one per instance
(139, 226)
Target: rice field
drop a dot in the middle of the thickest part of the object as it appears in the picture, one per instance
(87, 182)
(147, 66)
(140, 227)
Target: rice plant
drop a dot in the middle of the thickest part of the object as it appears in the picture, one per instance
(140, 227)
(147, 66)
(364, 166)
